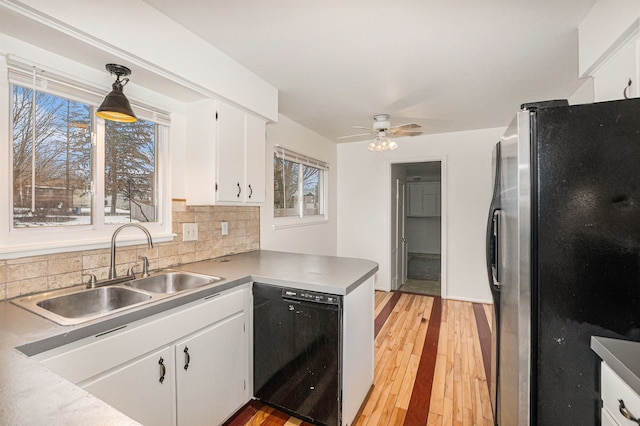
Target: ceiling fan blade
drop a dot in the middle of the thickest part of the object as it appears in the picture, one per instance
(405, 133)
(362, 127)
(354, 136)
(406, 126)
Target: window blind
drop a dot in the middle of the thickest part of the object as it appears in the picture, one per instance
(32, 76)
(287, 154)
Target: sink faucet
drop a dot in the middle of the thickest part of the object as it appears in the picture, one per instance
(112, 268)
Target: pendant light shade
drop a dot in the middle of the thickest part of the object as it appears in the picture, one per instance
(116, 106)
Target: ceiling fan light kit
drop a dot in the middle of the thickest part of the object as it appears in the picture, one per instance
(381, 127)
(382, 144)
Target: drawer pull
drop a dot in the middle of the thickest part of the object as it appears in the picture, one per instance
(187, 358)
(163, 370)
(626, 413)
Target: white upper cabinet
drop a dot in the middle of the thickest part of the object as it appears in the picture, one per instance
(423, 199)
(226, 154)
(255, 160)
(230, 158)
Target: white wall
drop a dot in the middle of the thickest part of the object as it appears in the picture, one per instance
(364, 182)
(310, 238)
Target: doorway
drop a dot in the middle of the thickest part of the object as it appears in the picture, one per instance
(417, 227)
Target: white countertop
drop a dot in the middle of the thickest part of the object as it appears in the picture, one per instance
(31, 394)
(623, 356)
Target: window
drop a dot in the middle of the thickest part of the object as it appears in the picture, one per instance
(51, 159)
(74, 176)
(129, 175)
(299, 185)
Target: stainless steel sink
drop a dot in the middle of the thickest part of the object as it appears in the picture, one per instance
(95, 301)
(172, 282)
(71, 306)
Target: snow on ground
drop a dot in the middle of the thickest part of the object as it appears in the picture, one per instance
(82, 219)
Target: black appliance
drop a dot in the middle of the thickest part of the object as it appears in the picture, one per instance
(563, 256)
(297, 336)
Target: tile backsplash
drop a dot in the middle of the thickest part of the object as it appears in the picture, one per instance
(32, 274)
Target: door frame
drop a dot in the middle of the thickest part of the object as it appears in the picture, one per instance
(390, 183)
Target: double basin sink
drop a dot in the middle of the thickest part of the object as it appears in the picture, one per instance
(74, 306)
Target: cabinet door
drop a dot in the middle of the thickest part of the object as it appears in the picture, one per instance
(201, 152)
(414, 200)
(613, 390)
(212, 368)
(607, 419)
(255, 157)
(137, 391)
(230, 161)
(423, 199)
(431, 199)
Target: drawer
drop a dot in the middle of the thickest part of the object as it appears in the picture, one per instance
(615, 389)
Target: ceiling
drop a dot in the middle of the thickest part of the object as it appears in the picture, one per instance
(449, 65)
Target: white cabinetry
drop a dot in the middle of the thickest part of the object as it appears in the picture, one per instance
(613, 391)
(215, 355)
(423, 199)
(226, 155)
(136, 388)
(140, 368)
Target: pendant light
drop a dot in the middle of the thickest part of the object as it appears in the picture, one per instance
(115, 106)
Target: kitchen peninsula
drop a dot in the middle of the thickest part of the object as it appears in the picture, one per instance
(31, 393)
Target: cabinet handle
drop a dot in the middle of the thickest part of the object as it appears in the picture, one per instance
(626, 413)
(187, 358)
(163, 370)
(250, 191)
(239, 190)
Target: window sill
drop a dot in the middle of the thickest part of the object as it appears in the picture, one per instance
(292, 222)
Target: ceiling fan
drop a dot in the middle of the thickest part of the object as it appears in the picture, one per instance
(381, 129)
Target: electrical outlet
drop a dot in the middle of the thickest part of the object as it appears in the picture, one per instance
(225, 228)
(189, 231)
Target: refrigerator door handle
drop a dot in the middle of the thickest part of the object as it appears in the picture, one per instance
(495, 249)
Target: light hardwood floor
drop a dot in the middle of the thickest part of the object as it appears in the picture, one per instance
(431, 366)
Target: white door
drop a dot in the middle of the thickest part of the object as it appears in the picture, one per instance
(399, 242)
(402, 239)
(395, 248)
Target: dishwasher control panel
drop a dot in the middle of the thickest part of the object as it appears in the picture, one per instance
(309, 296)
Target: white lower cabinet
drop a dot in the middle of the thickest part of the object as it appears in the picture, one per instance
(620, 404)
(136, 389)
(607, 420)
(214, 356)
(140, 369)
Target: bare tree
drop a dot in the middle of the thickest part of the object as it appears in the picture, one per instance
(130, 158)
(59, 155)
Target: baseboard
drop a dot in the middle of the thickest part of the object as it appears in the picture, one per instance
(470, 299)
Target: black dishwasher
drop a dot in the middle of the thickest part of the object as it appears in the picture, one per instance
(297, 337)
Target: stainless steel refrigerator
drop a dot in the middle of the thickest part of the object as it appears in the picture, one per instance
(563, 256)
